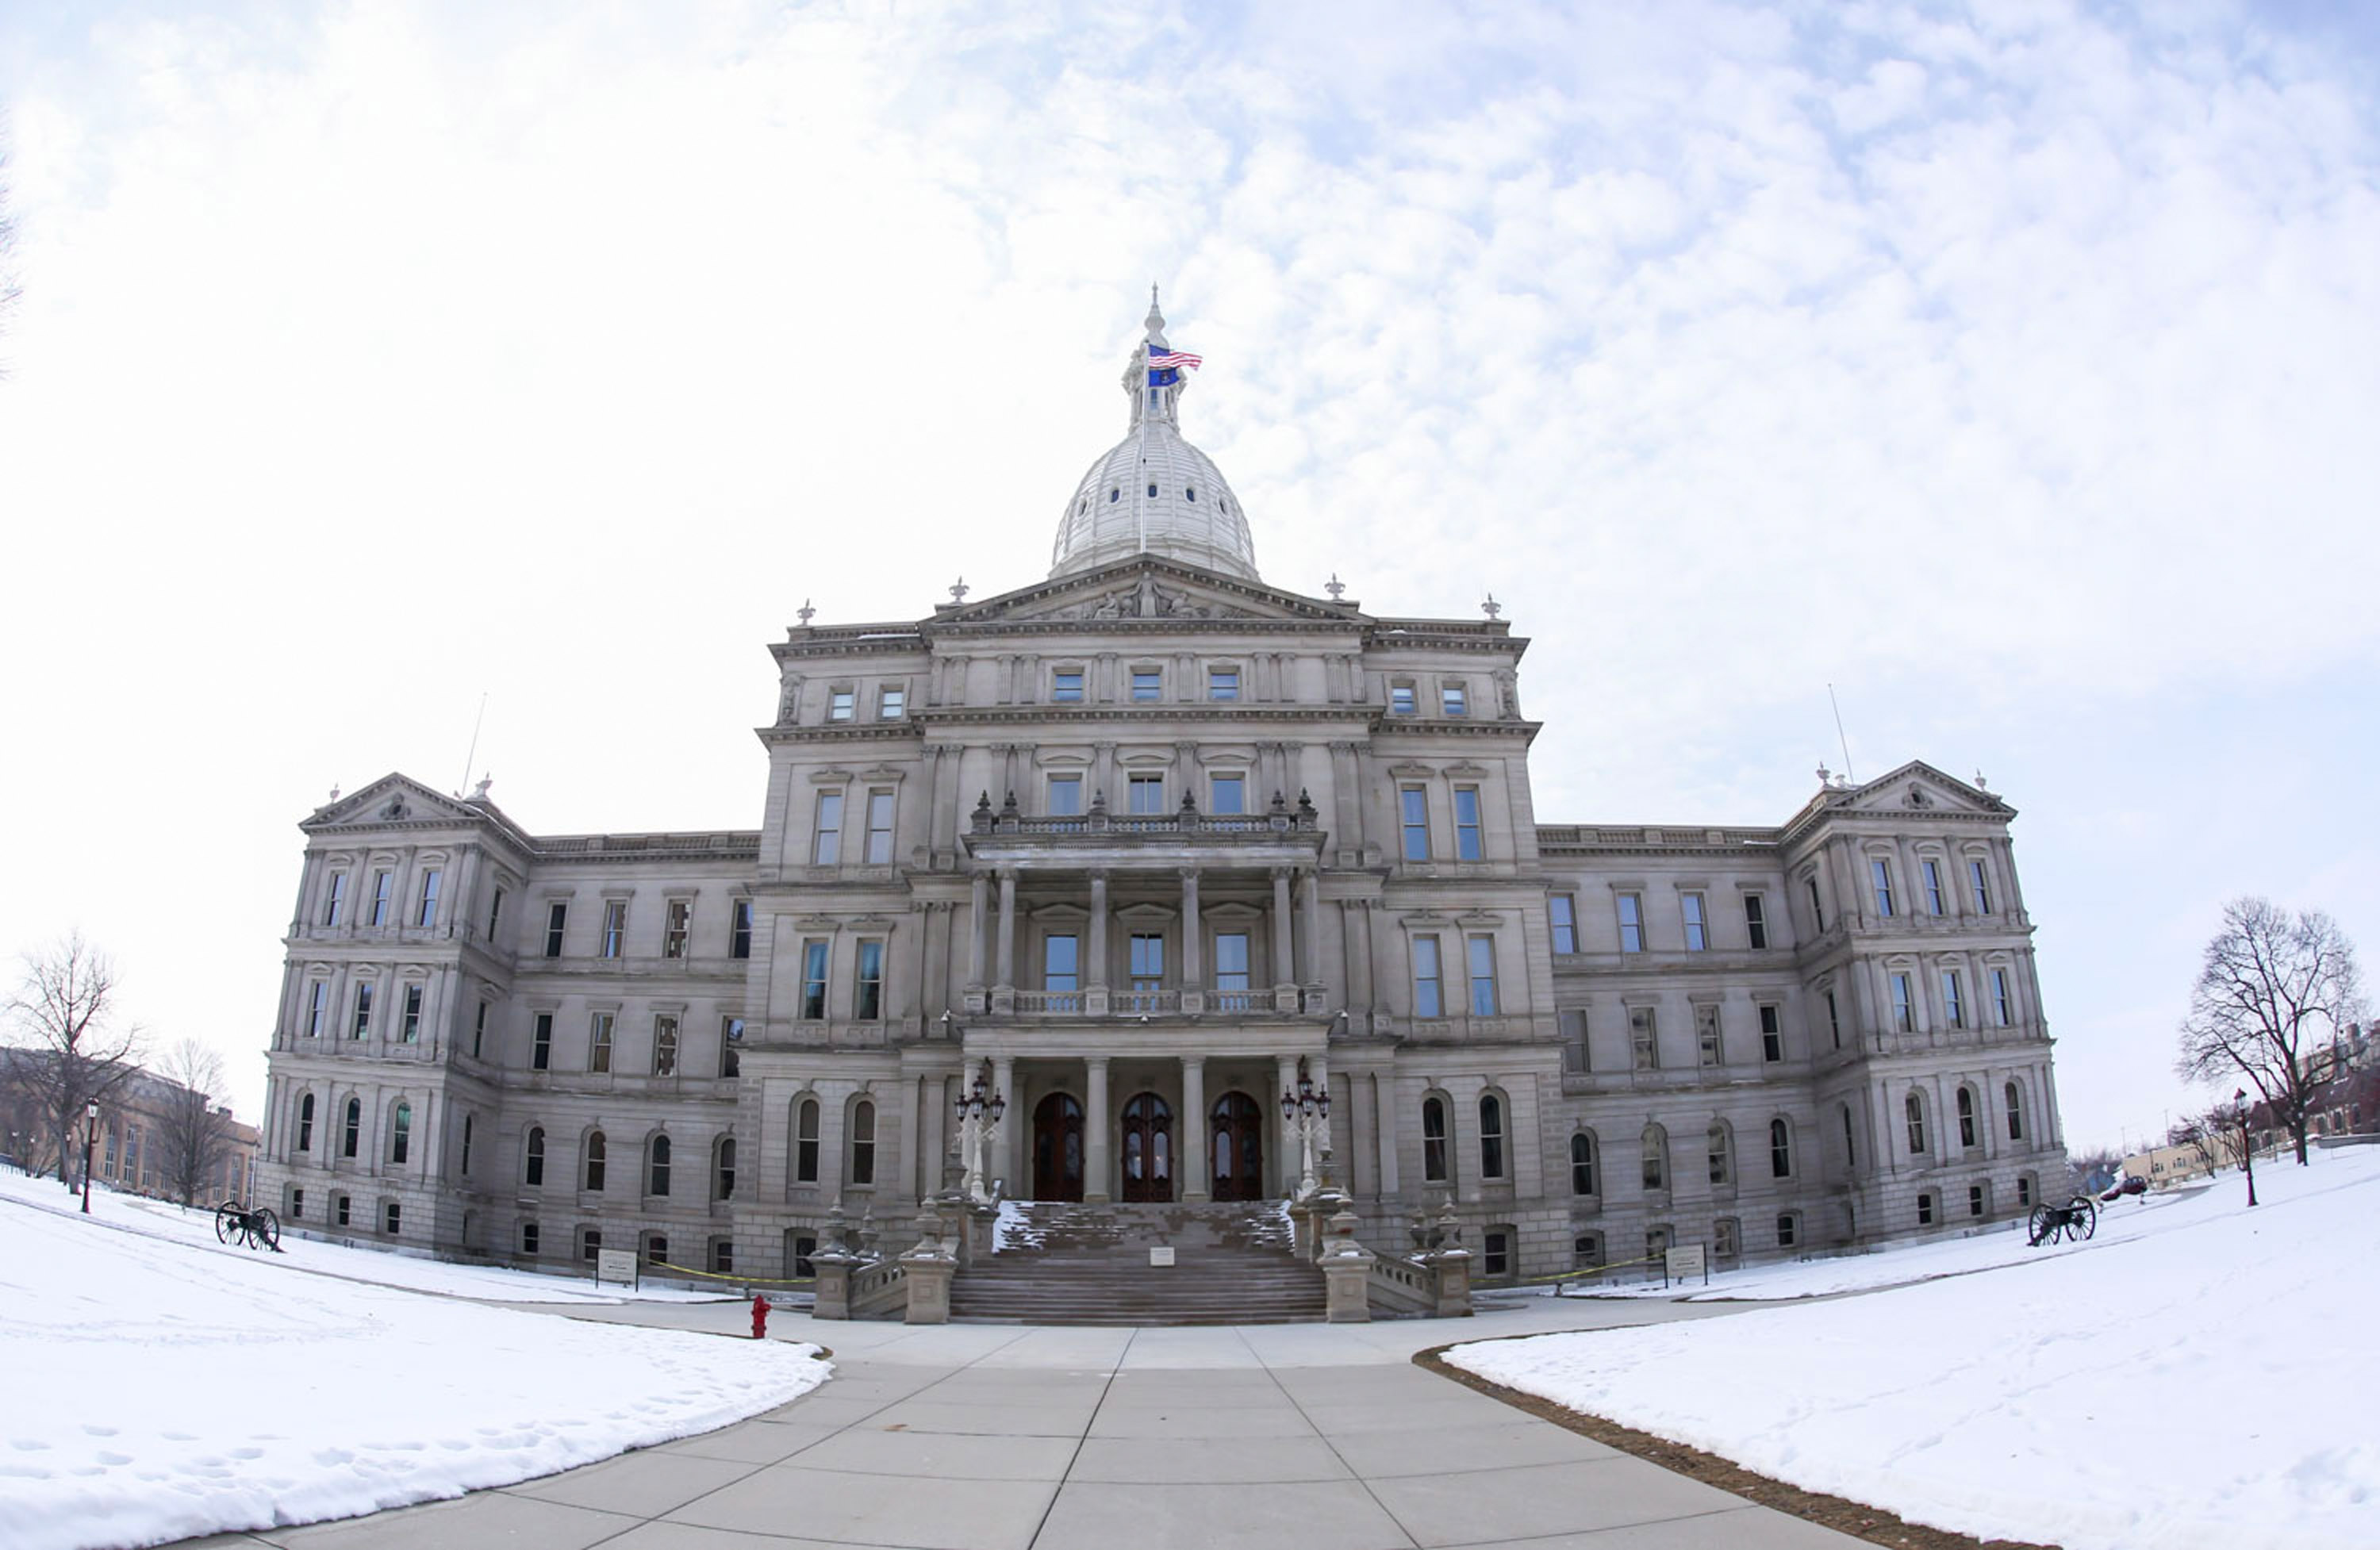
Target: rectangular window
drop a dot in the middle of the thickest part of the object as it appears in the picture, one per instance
(1926, 1209)
(557, 916)
(2003, 1009)
(1452, 701)
(1974, 1200)
(1061, 963)
(723, 1257)
(1880, 874)
(1483, 976)
(1066, 685)
(862, 1143)
(429, 915)
(739, 929)
(1147, 684)
(479, 1033)
(1755, 921)
(1467, 845)
(1954, 1007)
(1785, 1231)
(678, 920)
(1818, 911)
(814, 981)
(867, 997)
(395, 1220)
(1690, 906)
(1772, 1033)
(363, 1009)
(1631, 922)
(342, 1210)
(541, 1042)
(664, 1051)
(1935, 904)
(334, 899)
(731, 1046)
(1576, 1054)
(1834, 1020)
(318, 1007)
(1565, 917)
(1707, 1041)
(1413, 803)
(529, 1239)
(1978, 889)
(1230, 961)
(839, 705)
(1905, 1005)
(1427, 999)
(1401, 700)
(1496, 1254)
(615, 926)
(1231, 795)
(891, 703)
(826, 835)
(1145, 795)
(880, 829)
(296, 1206)
(1645, 1049)
(382, 885)
(590, 1243)
(1148, 961)
(599, 1042)
(1223, 682)
(1065, 796)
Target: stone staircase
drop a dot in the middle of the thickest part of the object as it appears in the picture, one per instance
(1069, 1264)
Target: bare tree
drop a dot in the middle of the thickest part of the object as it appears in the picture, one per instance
(75, 1053)
(2274, 987)
(2202, 1135)
(193, 1126)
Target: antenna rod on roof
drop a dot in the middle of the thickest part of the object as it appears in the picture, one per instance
(1838, 735)
(473, 754)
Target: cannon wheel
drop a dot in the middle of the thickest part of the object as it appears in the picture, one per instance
(265, 1227)
(227, 1223)
(2086, 1220)
(2038, 1226)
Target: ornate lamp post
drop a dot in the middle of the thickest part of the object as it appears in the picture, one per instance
(980, 1110)
(1307, 1112)
(2247, 1141)
(90, 1135)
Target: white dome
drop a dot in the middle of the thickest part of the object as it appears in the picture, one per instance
(1153, 492)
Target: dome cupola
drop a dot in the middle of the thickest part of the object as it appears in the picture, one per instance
(1153, 492)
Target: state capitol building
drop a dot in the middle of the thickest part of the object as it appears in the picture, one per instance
(1139, 845)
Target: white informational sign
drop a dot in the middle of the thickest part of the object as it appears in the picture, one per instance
(1160, 1256)
(1685, 1263)
(615, 1264)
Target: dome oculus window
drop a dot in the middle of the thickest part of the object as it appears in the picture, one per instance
(1189, 494)
(1114, 495)
(1152, 492)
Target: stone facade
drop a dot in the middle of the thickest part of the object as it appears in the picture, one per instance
(1139, 845)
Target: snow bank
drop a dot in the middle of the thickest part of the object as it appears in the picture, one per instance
(2205, 1384)
(168, 1389)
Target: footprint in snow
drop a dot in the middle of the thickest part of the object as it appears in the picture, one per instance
(247, 1453)
(179, 1437)
(99, 1431)
(27, 1445)
(113, 1458)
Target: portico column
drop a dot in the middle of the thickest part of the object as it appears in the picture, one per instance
(1284, 967)
(1193, 954)
(1096, 1121)
(1098, 964)
(1287, 1145)
(1002, 1163)
(1309, 957)
(979, 930)
(1193, 1153)
(1384, 1126)
(1005, 987)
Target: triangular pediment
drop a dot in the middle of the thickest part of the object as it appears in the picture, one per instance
(391, 799)
(1144, 589)
(1918, 787)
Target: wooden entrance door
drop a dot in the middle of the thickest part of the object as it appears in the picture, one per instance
(1147, 1148)
(1236, 1147)
(1058, 1148)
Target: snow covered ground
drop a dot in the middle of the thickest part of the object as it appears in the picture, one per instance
(2199, 1374)
(167, 1388)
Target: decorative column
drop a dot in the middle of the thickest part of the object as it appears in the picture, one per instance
(1193, 945)
(1193, 1161)
(979, 935)
(1003, 1165)
(1004, 990)
(1095, 1129)
(1309, 911)
(1096, 1000)
(1283, 954)
(1384, 1129)
(1286, 1144)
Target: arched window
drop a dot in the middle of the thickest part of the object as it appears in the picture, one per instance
(806, 1141)
(2009, 1095)
(1433, 1140)
(863, 1143)
(533, 1158)
(305, 1122)
(1657, 1158)
(400, 1131)
(1913, 1108)
(722, 1169)
(1491, 1136)
(351, 1132)
(1968, 1134)
(1781, 1149)
(657, 1166)
(1582, 1164)
(595, 1158)
(1720, 1147)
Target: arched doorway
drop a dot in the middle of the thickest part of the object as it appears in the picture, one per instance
(1058, 1148)
(1236, 1147)
(1147, 1148)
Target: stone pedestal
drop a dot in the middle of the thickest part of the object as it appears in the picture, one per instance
(833, 1271)
(1452, 1269)
(1346, 1272)
(927, 1274)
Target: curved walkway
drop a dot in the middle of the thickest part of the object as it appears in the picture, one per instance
(1002, 1438)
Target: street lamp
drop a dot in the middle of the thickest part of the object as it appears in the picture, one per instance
(2247, 1141)
(89, 1134)
(1306, 1112)
(980, 1110)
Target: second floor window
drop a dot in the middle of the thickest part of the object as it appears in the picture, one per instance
(677, 919)
(1978, 888)
(409, 1028)
(1230, 961)
(1643, 1048)
(1706, 1040)
(868, 999)
(1231, 795)
(595, 1160)
(1148, 961)
(533, 1158)
(1631, 922)
(599, 1042)
(1935, 902)
(664, 1046)
(2003, 1009)
(429, 915)
(334, 899)
(1491, 1136)
(318, 1008)
(1968, 1131)
(400, 1133)
(1428, 982)
(813, 980)
(880, 829)
(363, 1010)
(1145, 794)
(1483, 976)
(1755, 921)
(731, 1046)
(1905, 1005)
(382, 885)
(740, 930)
(615, 926)
(1697, 929)
(557, 916)
(1954, 1006)
(1433, 1139)
(826, 842)
(1880, 877)
(541, 1042)
(1564, 910)
(1772, 1033)
(1065, 796)
(805, 1142)
(1413, 819)
(1468, 845)
(1059, 962)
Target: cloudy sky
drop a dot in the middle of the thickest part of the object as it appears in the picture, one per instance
(2011, 368)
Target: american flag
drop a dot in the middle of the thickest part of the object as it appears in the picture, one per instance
(1162, 360)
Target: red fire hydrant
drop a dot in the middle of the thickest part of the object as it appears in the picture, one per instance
(759, 1317)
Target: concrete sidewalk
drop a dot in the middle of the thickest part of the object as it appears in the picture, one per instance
(994, 1437)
